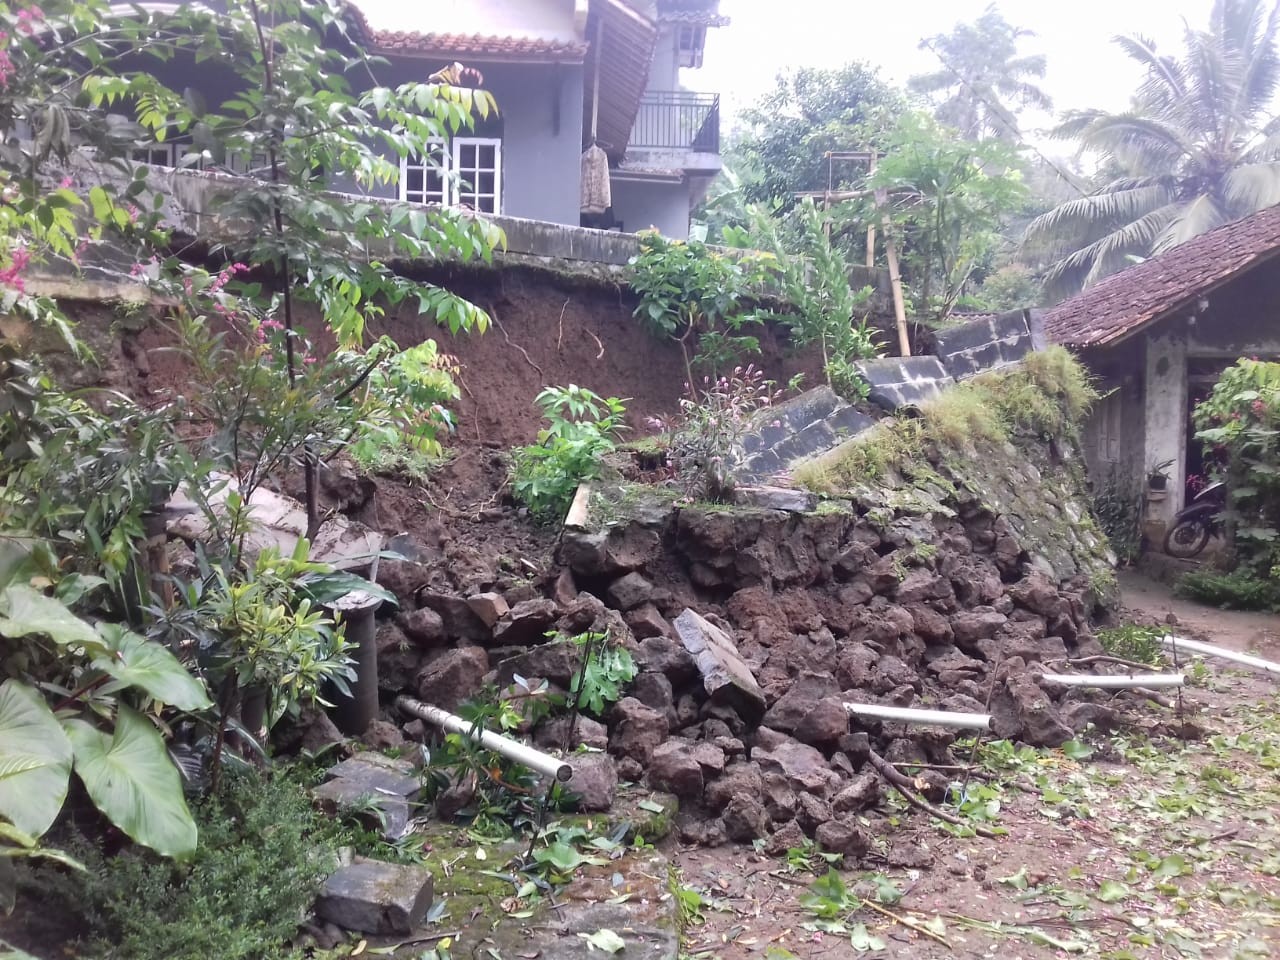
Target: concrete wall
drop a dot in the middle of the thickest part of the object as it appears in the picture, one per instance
(664, 74)
(1165, 420)
(640, 205)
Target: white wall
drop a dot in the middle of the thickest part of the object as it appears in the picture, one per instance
(1165, 429)
(644, 204)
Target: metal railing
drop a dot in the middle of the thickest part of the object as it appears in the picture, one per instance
(679, 120)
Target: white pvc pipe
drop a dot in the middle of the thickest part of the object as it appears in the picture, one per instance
(1128, 681)
(931, 718)
(535, 760)
(1209, 650)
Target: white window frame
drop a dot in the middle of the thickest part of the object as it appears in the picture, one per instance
(151, 149)
(465, 190)
(456, 188)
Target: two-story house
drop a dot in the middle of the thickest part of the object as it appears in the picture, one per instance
(566, 75)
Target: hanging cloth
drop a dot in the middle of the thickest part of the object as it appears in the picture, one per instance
(597, 195)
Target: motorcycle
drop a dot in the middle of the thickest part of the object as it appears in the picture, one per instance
(1197, 523)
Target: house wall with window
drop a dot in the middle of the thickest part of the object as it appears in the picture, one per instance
(531, 151)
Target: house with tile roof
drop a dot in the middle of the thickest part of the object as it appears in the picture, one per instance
(566, 75)
(1157, 336)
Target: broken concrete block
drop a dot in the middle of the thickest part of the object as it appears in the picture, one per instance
(378, 898)
(725, 676)
(776, 498)
(379, 775)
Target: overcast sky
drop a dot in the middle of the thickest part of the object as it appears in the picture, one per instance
(1085, 68)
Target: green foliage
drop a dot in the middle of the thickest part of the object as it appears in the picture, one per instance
(263, 855)
(951, 199)
(1237, 590)
(606, 669)
(582, 428)
(1137, 644)
(782, 145)
(696, 297)
(824, 309)
(1240, 422)
(1196, 150)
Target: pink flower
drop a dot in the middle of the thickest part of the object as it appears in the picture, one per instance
(66, 183)
(11, 276)
(28, 17)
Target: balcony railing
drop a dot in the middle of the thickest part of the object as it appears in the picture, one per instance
(678, 120)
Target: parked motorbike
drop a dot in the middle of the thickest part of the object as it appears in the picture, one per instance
(1197, 523)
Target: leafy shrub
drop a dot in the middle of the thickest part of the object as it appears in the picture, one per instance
(1240, 421)
(708, 438)
(606, 668)
(1119, 513)
(1238, 590)
(263, 853)
(1139, 644)
(583, 427)
(695, 296)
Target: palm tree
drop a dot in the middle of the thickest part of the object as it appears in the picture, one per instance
(1199, 148)
(983, 80)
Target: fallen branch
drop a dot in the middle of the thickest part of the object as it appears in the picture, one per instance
(904, 786)
(1100, 658)
(908, 923)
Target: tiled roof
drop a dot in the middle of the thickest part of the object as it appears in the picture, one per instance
(477, 45)
(1124, 303)
(692, 16)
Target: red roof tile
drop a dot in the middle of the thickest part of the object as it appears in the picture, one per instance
(477, 45)
(1124, 303)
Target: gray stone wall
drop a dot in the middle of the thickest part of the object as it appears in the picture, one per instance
(987, 343)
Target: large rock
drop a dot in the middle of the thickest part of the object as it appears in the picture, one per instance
(802, 766)
(423, 626)
(460, 621)
(674, 768)
(725, 676)
(525, 623)
(557, 662)
(738, 779)
(664, 655)
(824, 724)
(378, 898)
(629, 592)
(594, 782)
(745, 819)
(384, 813)
(552, 734)
(845, 837)
(801, 697)
(861, 792)
(1021, 710)
(637, 729)
(453, 677)
(489, 607)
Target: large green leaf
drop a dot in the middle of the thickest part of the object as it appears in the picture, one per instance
(134, 661)
(24, 611)
(130, 778)
(35, 759)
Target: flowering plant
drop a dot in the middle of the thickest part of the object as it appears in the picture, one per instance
(708, 439)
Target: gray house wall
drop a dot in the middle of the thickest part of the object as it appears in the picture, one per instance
(641, 204)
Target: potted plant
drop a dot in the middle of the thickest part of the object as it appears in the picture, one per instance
(1158, 476)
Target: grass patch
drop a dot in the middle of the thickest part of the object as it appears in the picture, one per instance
(1139, 644)
(1047, 394)
(1238, 590)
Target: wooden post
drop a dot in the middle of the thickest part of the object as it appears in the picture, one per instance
(895, 280)
(871, 230)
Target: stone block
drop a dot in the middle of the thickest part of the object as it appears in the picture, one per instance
(898, 382)
(386, 813)
(378, 898)
(725, 676)
(379, 774)
(776, 498)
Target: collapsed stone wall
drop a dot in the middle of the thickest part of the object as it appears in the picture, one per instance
(752, 627)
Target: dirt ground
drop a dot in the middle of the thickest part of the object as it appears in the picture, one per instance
(1145, 845)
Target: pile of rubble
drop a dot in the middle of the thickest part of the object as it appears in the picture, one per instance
(751, 628)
